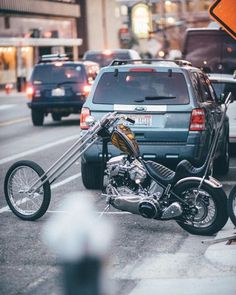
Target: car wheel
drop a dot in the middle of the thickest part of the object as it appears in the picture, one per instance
(56, 117)
(221, 164)
(91, 175)
(37, 117)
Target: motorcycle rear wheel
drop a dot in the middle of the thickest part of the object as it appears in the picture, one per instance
(232, 205)
(212, 208)
(19, 178)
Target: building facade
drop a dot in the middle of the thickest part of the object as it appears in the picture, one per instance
(30, 28)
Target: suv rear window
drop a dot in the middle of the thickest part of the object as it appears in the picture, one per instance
(141, 88)
(61, 73)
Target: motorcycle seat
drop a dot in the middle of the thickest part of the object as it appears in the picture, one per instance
(160, 172)
(167, 176)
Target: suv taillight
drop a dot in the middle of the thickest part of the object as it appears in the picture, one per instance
(198, 120)
(85, 112)
(29, 91)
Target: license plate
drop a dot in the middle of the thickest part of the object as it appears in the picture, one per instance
(58, 92)
(141, 120)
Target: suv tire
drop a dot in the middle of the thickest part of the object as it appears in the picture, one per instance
(221, 164)
(37, 117)
(91, 175)
(56, 117)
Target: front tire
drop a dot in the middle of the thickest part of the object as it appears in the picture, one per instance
(19, 178)
(37, 117)
(211, 215)
(232, 205)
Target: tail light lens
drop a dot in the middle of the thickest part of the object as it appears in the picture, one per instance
(198, 120)
(85, 112)
(30, 91)
(86, 89)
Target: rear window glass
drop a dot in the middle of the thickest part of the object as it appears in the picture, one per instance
(216, 52)
(141, 88)
(105, 59)
(52, 73)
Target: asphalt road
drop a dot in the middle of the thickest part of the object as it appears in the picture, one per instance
(140, 249)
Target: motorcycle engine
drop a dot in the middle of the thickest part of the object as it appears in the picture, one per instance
(124, 175)
(129, 188)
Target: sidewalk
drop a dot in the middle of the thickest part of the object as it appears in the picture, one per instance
(223, 253)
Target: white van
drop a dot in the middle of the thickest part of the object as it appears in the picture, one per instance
(223, 84)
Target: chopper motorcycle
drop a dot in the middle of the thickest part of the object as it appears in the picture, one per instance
(188, 195)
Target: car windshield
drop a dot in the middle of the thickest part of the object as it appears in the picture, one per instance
(141, 88)
(224, 87)
(215, 52)
(58, 73)
(105, 59)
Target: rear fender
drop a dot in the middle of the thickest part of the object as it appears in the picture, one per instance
(214, 183)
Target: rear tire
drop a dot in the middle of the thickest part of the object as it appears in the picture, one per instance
(212, 208)
(91, 175)
(221, 164)
(56, 117)
(37, 117)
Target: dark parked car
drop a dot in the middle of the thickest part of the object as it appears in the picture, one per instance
(211, 49)
(105, 57)
(59, 86)
(174, 107)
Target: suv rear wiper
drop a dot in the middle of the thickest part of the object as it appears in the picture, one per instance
(154, 98)
(159, 97)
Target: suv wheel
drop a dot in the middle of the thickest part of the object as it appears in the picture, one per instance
(56, 117)
(37, 117)
(221, 164)
(91, 175)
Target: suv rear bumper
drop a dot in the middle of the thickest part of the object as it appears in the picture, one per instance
(163, 153)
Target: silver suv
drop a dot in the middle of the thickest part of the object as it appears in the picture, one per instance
(175, 110)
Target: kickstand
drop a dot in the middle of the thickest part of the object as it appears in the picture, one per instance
(105, 210)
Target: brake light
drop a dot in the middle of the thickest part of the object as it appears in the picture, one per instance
(198, 120)
(29, 91)
(142, 70)
(87, 89)
(85, 112)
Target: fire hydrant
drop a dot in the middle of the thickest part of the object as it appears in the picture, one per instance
(8, 88)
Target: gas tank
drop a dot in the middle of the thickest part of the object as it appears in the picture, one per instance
(124, 139)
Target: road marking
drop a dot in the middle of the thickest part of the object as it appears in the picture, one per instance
(14, 121)
(98, 212)
(6, 106)
(38, 149)
(54, 186)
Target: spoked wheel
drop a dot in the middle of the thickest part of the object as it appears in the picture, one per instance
(209, 214)
(232, 205)
(19, 178)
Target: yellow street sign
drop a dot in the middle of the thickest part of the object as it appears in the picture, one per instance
(223, 12)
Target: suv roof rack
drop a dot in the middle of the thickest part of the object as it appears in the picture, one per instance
(54, 57)
(180, 62)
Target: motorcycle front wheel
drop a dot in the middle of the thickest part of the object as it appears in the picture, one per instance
(232, 205)
(211, 205)
(19, 178)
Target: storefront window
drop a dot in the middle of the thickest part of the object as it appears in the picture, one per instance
(7, 65)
